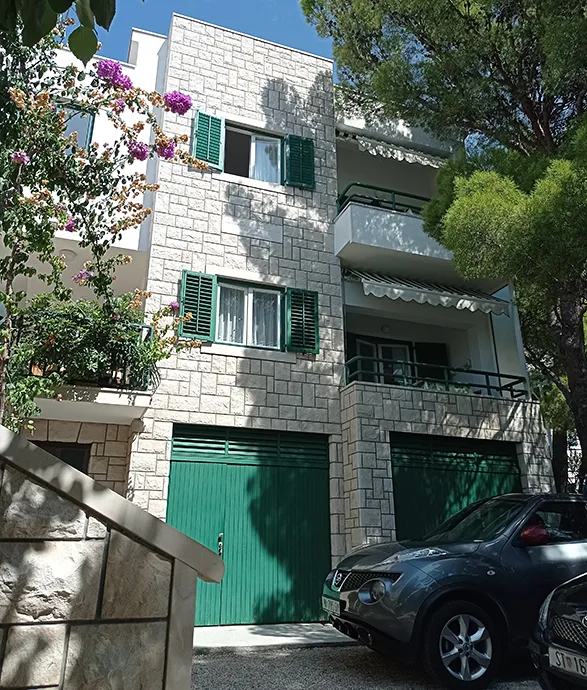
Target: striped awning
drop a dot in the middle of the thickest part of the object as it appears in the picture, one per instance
(385, 149)
(422, 292)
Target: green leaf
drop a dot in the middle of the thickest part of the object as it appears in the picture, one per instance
(8, 16)
(83, 43)
(84, 13)
(61, 6)
(104, 11)
(40, 19)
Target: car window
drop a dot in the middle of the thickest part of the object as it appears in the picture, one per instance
(478, 523)
(564, 522)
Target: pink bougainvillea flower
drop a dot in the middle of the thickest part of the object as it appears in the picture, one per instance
(107, 69)
(112, 71)
(20, 158)
(168, 151)
(177, 102)
(122, 81)
(118, 105)
(174, 305)
(138, 150)
(70, 225)
(83, 276)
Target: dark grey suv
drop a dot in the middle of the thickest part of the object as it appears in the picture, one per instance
(467, 593)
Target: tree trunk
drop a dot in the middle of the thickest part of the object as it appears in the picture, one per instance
(572, 346)
(560, 460)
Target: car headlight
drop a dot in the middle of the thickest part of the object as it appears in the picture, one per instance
(409, 554)
(372, 592)
(543, 615)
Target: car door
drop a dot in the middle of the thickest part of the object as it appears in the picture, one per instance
(534, 571)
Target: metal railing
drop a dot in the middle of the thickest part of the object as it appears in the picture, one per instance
(434, 377)
(380, 197)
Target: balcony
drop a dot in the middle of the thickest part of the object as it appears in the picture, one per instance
(435, 377)
(105, 379)
(380, 229)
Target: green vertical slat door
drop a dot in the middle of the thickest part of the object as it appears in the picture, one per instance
(270, 496)
(435, 477)
(195, 506)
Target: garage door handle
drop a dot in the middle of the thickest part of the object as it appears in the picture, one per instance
(220, 543)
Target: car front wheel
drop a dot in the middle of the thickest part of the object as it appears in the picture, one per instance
(461, 647)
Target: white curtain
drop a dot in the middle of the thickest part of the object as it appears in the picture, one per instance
(266, 165)
(265, 319)
(231, 315)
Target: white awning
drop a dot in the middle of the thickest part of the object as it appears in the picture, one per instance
(382, 148)
(437, 295)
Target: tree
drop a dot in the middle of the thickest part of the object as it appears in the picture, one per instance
(38, 18)
(49, 182)
(508, 78)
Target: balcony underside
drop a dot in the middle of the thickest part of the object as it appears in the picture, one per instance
(101, 405)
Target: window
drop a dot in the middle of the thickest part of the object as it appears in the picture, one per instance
(75, 454)
(289, 160)
(82, 123)
(564, 522)
(248, 316)
(252, 154)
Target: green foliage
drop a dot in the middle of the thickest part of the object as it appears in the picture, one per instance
(514, 72)
(39, 17)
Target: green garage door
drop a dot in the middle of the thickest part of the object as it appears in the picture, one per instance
(261, 498)
(434, 477)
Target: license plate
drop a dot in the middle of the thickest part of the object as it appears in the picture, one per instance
(567, 661)
(331, 605)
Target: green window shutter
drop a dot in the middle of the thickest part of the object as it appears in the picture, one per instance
(198, 298)
(302, 321)
(208, 140)
(299, 162)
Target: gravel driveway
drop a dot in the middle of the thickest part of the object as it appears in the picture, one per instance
(343, 668)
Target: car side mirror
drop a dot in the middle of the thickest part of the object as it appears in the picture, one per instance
(534, 535)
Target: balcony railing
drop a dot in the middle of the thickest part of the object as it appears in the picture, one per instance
(380, 197)
(435, 377)
(119, 363)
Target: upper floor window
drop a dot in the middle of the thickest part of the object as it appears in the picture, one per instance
(252, 154)
(82, 123)
(248, 314)
(227, 147)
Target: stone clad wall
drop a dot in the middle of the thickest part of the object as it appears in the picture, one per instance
(371, 411)
(109, 447)
(82, 604)
(252, 231)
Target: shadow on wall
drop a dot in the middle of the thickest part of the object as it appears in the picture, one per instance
(61, 570)
(291, 551)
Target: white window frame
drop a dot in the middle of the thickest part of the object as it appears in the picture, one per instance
(258, 136)
(249, 290)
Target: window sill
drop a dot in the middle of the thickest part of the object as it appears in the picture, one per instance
(248, 182)
(251, 352)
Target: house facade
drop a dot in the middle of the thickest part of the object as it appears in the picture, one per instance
(350, 386)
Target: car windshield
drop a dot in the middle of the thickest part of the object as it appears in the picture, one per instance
(478, 522)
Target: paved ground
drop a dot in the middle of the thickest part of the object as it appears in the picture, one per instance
(328, 668)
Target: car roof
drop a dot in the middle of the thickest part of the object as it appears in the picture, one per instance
(552, 496)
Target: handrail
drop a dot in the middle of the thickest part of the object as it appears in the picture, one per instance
(344, 198)
(409, 376)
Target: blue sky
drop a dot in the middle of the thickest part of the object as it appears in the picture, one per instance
(281, 21)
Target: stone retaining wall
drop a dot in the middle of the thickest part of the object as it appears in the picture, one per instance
(88, 602)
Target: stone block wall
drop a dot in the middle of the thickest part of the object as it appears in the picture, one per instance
(244, 229)
(85, 603)
(109, 451)
(371, 411)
